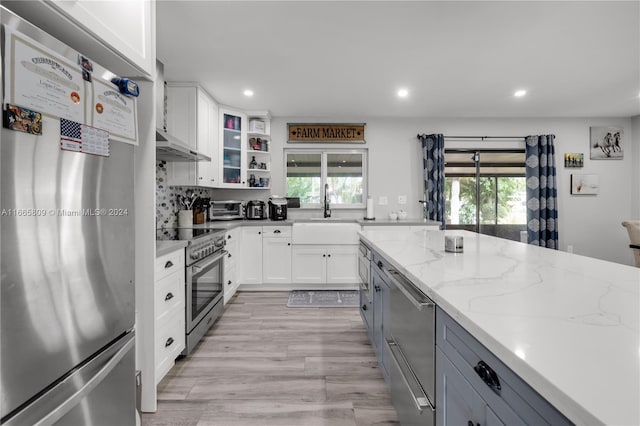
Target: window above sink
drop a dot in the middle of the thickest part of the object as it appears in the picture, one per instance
(344, 170)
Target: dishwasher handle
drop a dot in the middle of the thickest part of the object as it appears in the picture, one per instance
(422, 401)
(415, 296)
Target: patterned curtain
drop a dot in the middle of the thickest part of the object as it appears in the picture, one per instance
(433, 162)
(542, 192)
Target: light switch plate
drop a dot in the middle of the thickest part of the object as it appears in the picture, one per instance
(383, 201)
(402, 199)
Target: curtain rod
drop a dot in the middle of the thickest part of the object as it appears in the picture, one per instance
(482, 138)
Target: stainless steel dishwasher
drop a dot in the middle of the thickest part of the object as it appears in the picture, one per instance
(412, 349)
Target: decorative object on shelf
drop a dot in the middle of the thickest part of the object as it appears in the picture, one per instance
(573, 159)
(252, 180)
(256, 126)
(255, 144)
(253, 164)
(326, 133)
(606, 143)
(584, 184)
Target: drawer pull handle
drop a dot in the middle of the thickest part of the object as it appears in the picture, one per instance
(169, 342)
(277, 231)
(229, 255)
(487, 375)
(364, 307)
(380, 264)
(168, 297)
(169, 264)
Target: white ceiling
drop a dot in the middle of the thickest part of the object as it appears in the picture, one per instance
(458, 59)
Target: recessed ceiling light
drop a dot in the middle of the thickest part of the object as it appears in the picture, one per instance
(403, 93)
(248, 93)
(520, 93)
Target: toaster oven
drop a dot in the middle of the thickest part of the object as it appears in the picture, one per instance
(225, 210)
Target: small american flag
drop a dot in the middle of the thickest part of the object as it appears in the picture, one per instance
(70, 130)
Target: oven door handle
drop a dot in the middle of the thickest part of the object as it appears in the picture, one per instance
(206, 262)
(415, 296)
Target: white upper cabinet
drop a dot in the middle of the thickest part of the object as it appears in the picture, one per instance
(192, 116)
(232, 151)
(127, 27)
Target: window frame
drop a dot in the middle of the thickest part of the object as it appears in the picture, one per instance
(494, 176)
(324, 170)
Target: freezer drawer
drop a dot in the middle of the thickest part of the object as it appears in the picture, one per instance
(100, 393)
(410, 401)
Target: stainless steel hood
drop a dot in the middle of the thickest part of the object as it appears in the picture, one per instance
(170, 148)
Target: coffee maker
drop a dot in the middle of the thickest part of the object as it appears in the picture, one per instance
(278, 208)
(256, 210)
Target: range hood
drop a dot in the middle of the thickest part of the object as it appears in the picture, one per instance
(170, 148)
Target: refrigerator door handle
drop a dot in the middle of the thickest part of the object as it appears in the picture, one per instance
(74, 399)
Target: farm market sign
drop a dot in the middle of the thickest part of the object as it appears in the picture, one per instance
(326, 133)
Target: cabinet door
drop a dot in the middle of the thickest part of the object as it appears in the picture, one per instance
(232, 149)
(181, 123)
(342, 264)
(276, 260)
(206, 138)
(459, 403)
(230, 262)
(308, 264)
(251, 259)
(130, 33)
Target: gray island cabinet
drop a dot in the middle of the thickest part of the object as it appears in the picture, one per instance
(516, 332)
(473, 387)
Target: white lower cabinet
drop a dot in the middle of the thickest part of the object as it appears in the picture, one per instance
(308, 264)
(342, 264)
(250, 262)
(276, 254)
(333, 264)
(169, 311)
(232, 245)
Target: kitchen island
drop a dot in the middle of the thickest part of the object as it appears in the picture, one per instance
(567, 325)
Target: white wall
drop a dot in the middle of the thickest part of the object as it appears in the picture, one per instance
(635, 161)
(591, 224)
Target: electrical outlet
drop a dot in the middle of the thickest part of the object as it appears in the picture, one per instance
(402, 199)
(383, 201)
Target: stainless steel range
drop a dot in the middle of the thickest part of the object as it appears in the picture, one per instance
(204, 257)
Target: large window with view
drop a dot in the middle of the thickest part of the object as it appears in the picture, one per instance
(344, 171)
(485, 191)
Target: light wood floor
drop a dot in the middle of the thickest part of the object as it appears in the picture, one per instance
(265, 364)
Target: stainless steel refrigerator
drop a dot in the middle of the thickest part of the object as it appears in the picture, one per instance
(67, 270)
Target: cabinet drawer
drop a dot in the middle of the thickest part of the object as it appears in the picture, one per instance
(276, 231)
(169, 263)
(170, 337)
(169, 294)
(465, 352)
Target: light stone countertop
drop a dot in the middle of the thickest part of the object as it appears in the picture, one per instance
(166, 247)
(230, 224)
(568, 325)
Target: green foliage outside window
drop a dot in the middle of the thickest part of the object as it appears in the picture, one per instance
(510, 200)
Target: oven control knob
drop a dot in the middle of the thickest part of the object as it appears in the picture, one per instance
(193, 256)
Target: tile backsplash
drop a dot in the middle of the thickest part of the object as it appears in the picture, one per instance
(167, 198)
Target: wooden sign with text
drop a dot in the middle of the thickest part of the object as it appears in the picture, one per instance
(326, 133)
